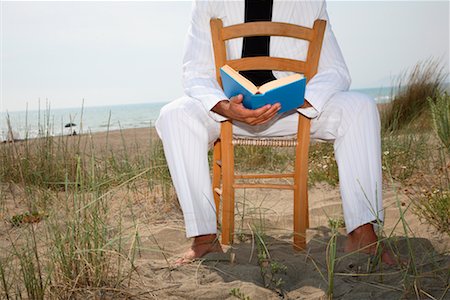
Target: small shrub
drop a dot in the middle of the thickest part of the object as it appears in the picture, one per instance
(434, 208)
(336, 223)
(404, 154)
(270, 269)
(322, 165)
(236, 292)
(27, 217)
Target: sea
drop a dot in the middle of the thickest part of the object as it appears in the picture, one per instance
(32, 124)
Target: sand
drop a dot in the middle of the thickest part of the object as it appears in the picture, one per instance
(306, 276)
(214, 277)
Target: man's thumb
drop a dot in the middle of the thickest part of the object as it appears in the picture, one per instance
(237, 99)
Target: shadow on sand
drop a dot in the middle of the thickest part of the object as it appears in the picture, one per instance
(356, 276)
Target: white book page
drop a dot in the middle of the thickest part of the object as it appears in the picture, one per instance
(241, 79)
(279, 82)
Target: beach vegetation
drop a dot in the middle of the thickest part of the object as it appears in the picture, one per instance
(431, 199)
(27, 217)
(68, 238)
(237, 293)
(409, 105)
(331, 257)
(440, 114)
(322, 165)
(336, 223)
(404, 156)
(270, 269)
(433, 207)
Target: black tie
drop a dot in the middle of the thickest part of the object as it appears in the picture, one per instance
(257, 10)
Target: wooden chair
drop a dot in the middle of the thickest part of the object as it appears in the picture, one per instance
(224, 178)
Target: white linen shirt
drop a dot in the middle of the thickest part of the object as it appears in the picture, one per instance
(199, 76)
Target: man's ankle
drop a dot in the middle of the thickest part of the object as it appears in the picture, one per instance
(204, 239)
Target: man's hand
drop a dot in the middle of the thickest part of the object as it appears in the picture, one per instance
(235, 110)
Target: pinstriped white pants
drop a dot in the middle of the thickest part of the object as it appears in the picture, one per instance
(350, 120)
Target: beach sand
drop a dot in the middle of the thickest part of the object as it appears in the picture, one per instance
(161, 231)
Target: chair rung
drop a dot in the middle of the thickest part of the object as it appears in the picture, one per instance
(265, 142)
(264, 186)
(251, 176)
(218, 191)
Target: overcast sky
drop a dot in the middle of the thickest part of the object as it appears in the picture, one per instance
(130, 52)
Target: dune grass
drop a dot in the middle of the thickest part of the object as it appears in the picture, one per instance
(68, 238)
(431, 197)
(409, 105)
(440, 114)
(411, 152)
(331, 258)
(322, 165)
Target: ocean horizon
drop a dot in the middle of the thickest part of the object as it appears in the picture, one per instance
(35, 123)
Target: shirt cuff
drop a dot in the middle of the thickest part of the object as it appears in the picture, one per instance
(309, 112)
(217, 117)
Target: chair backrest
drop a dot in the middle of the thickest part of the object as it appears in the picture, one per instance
(309, 67)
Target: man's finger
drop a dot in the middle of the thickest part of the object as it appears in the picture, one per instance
(269, 113)
(256, 113)
(264, 121)
(251, 113)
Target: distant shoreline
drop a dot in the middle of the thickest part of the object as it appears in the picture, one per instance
(114, 132)
(95, 119)
(125, 131)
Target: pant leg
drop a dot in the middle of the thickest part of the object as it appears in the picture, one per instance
(352, 121)
(186, 131)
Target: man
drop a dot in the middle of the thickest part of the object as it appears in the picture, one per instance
(189, 125)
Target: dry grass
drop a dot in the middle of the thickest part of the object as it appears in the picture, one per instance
(440, 113)
(66, 239)
(409, 106)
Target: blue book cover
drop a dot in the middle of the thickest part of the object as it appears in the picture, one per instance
(288, 91)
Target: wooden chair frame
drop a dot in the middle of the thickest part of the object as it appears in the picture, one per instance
(223, 157)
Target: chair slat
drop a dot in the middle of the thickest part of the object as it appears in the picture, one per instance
(267, 63)
(315, 48)
(264, 186)
(267, 28)
(255, 176)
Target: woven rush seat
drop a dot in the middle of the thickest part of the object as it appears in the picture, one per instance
(287, 141)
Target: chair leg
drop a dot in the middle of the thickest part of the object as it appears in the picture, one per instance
(301, 215)
(300, 222)
(227, 183)
(216, 175)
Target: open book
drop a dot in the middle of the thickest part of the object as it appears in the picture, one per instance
(288, 91)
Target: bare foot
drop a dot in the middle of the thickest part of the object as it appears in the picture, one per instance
(201, 245)
(363, 239)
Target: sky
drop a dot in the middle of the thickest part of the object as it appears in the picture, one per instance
(110, 53)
